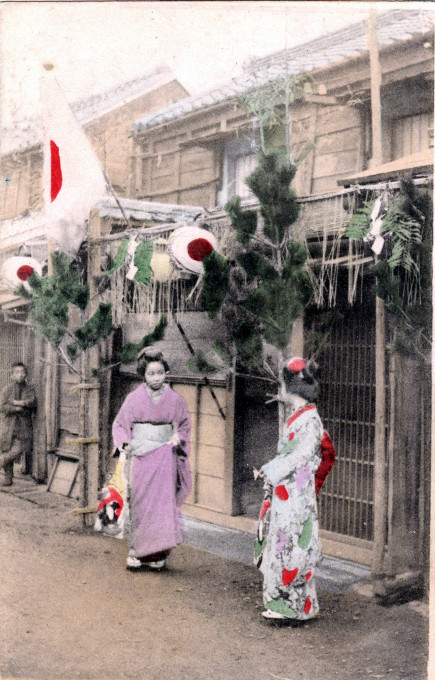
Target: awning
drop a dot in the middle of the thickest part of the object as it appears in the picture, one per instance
(415, 164)
(142, 211)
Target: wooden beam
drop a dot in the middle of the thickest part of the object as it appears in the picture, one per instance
(320, 99)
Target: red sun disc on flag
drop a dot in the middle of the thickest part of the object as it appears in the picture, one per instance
(56, 171)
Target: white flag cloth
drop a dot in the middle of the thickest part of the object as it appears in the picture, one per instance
(73, 177)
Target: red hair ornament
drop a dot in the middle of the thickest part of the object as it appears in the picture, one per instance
(296, 364)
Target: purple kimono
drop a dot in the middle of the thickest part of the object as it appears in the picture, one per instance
(157, 474)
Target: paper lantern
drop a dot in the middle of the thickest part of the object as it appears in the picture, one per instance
(161, 267)
(16, 270)
(187, 248)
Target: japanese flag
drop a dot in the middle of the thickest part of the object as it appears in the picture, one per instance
(73, 177)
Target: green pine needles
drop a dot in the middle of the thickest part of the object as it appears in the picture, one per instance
(270, 182)
(51, 296)
(130, 350)
(265, 290)
(404, 275)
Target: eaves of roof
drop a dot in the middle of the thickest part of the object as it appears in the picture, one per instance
(418, 163)
(28, 133)
(141, 211)
(90, 108)
(394, 27)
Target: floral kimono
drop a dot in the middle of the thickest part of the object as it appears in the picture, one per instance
(287, 548)
(142, 500)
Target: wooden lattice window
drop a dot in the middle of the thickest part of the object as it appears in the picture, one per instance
(412, 134)
(238, 162)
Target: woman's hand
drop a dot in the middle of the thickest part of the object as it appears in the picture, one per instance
(259, 474)
(174, 440)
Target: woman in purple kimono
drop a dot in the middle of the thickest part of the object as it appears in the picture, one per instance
(143, 499)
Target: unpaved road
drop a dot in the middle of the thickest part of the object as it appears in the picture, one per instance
(69, 609)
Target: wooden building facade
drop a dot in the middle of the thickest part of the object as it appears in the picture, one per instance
(203, 149)
(198, 153)
(106, 119)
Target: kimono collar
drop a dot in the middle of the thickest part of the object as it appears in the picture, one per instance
(155, 395)
(298, 413)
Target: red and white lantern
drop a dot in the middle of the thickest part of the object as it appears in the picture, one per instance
(187, 248)
(17, 270)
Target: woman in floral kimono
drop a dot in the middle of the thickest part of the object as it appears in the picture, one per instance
(143, 498)
(287, 547)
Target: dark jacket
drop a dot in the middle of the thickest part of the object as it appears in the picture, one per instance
(14, 421)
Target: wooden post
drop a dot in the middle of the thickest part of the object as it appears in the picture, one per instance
(431, 660)
(229, 501)
(39, 466)
(380, 488)
(380, 499)
(104, 426)
(52, 398)
(89, 398)
(197, 423)
(51, 382)
(404, 471)
(375, 88)
(402, 573)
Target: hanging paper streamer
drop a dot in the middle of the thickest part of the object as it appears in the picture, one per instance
(130, 251)
(187, 248)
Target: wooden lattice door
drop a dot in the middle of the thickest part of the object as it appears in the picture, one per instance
(347, 408)
(11, 349)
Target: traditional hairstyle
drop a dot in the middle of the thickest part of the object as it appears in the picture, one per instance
(148, 356)
(299, 378)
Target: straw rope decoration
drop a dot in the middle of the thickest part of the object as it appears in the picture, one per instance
(179, 292)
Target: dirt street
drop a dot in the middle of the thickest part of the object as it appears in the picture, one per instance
(70, 609)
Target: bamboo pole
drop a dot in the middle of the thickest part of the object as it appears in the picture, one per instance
(380, 499)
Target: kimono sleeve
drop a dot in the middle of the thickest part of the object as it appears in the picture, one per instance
(123, 424)
(184, 477)
(182, 424)
(305, 452)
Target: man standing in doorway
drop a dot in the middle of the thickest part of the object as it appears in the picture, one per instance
(17, 404)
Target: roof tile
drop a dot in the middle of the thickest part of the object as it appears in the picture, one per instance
(393, 26)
